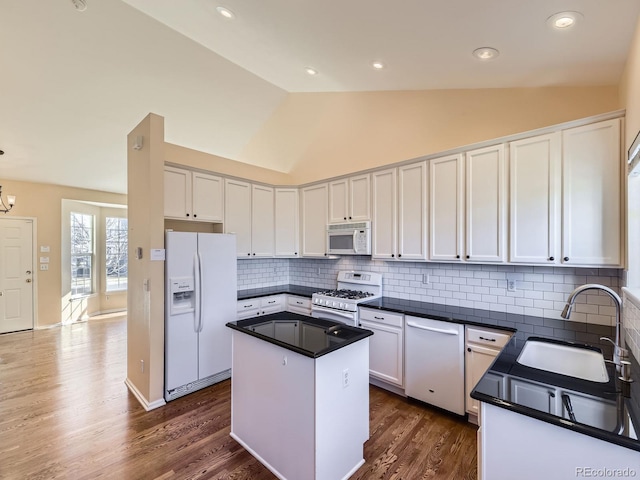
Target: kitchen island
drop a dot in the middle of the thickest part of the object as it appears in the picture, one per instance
(300, 394)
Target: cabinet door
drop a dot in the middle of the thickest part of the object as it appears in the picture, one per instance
(338, 199)
(262, 221)
(593, 411)
(477, 361)
(177, 193)
(534, 171)
(208, 197)
(286, 212)
(360, 198)
(314, 220)
(385, 352)
(539, 397)
(591, 176)
(446, 195)
(384, 228)
(412, 212)
(485, 205)
(237, 214)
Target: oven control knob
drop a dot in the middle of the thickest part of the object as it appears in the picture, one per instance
(343, 305)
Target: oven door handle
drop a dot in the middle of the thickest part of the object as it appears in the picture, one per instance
(332, 312)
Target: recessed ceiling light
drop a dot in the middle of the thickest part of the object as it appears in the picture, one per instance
(377, 65)
(486, 53)
(311, 71)
(225, 12)
(564, 20)
(80, 5)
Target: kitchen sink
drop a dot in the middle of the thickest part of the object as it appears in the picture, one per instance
(572, 360)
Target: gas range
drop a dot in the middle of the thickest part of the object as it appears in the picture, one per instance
(353, 288)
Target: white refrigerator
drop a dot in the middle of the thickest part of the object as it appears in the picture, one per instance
(200, 298)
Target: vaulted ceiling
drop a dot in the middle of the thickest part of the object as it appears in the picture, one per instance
(75, 83)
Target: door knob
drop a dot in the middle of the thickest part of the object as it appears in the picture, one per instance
(28, 280)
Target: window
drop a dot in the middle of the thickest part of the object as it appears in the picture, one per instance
(82, 249)
(116, 248)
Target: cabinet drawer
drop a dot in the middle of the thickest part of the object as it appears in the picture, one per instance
(382, 316)
(249, 304)
(299, 302)
(488, 337)
(271, 302)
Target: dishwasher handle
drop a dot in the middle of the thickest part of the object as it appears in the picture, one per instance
(431, 329)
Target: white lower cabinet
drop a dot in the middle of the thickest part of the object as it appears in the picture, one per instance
(434, 362)
(482, 346)
(511, 445)
(386, 346)
(255, 307)
(296, 304)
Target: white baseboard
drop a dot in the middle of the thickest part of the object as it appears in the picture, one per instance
(45, 327)
(143, 401)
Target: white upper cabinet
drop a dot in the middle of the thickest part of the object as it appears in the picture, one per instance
(262, 221)
(177, 193)
(412, 212)
(286, 218)
(467, 195)
(192, 195)
(400, 213)
(592, 193)
(485, 204)
(237, 214)
(208, 197)
(384, 235)
(314, 201)
(350, 199)
(535, 198)
(249, 213)
(446, 207)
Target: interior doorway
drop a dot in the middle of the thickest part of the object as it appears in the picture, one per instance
(16, 275)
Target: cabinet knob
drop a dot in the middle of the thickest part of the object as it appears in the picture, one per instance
(551, 259)
(467, 256)
(194, 215)
(325, 254)
(187, 214)
(399, 255)
(457, 256)
(295, 253)
(344, 218)
(392, 255)
(349, 218)
(468, 349)
(249, 254)
(566, 259)
(254, 254)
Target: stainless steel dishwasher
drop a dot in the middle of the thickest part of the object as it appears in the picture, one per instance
(434, 362)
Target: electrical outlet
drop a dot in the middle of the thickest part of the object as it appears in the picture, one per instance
(511, 282)
(345, 378)
(44, 266)
(425, 278)
(318, 270)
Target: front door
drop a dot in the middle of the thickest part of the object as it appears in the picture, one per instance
(16, 275)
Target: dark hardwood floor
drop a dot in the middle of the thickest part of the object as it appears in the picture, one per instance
(65, 412)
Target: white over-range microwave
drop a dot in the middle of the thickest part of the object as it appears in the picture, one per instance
(349, 238)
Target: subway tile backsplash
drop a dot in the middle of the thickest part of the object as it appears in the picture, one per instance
(540, 291)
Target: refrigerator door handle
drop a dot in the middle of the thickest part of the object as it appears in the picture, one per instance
(196, 318)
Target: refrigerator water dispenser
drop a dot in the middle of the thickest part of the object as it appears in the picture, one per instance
(182, 295)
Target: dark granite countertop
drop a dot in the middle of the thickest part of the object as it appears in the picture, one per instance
(495, 385)
(276, 290)
(311, 337)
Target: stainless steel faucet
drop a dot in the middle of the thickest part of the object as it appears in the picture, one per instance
(619, 354)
